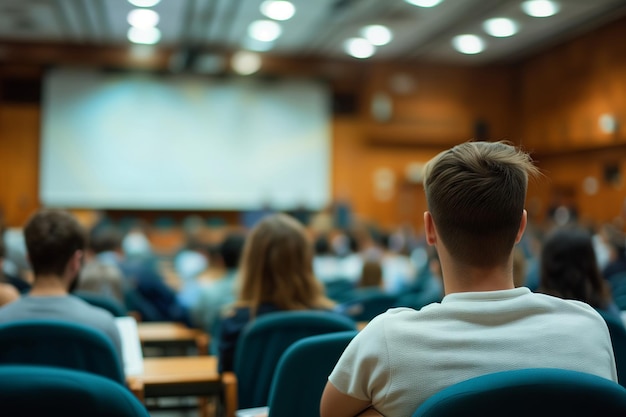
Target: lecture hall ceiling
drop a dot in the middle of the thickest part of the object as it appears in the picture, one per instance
(195, 29)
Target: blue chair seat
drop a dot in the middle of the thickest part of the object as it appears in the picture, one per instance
(302, 373)
(537, 392)
(27, 391)
(61, 344)
(264, 340)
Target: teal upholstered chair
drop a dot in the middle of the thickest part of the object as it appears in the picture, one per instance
(302, 373)
(618, 340)
(367, 305)
(339, 290)
(264, 340)
(538, 392)
(60, 344)
(27, 391)
(107, 303)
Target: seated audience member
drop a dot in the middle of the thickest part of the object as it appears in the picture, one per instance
(617, 253)
(371, 276)
(346, 248)
(216, 293)
(101, 274)
(15, 267)
(276, 274)
(326, 266)
(398, 271)
(569, 270)
(8, 292)
(56, 243)
(191, 260)
(428, 287)
(475, 194)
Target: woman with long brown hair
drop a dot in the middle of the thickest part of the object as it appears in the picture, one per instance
(276, 274)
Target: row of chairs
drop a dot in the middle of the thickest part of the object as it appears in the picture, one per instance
(50, 367)
(282, 362)
(365, 304)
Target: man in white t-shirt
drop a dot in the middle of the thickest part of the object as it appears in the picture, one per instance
(475, 194)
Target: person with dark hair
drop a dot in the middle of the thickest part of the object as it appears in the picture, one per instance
(101, 274)
(215, 294)
(8, 293)
(56, 245)
(569, 270)
(616, 242)
(19, 284)
(326, 265)
(475, 194)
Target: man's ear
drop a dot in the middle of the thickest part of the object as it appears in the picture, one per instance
(522, 226)
(76, 261)
(429, 229)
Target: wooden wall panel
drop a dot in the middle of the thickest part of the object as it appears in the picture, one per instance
(19, 162)
(358, 166)
(444, 105)
(565, 90)
(579, 172)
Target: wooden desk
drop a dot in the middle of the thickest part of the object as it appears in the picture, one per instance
(185, 376)
(166, 333)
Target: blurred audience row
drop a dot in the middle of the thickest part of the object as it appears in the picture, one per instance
(281, 264)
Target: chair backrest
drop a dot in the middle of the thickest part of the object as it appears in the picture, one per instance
(61, 344)
(339, 290)
(27, 391)
(538, 392)
(265, 339)
(302, 373)
(367, 305)
(618, 340)
(106, 303)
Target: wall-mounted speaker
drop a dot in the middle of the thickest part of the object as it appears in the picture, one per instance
(345, 103)
(612, 173)
(20, 90)
(481, 130)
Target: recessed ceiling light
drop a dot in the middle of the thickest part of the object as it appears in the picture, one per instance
(144, 3)
(256, 45)
(424, 3)
(245, 62)
(377, 35)
(468, 44)
(540, 8)
(278, 9)
(143, 18)
(264, 30)
(500, 27)
(147, 36)
(359, 48)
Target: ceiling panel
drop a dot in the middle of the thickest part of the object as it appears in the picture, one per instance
(318, 29)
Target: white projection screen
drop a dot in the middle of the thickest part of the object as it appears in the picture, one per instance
(141, 141)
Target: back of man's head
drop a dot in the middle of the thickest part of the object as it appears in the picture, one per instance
(476, 193)
(52, 237)
(231, 249)
(106, 240)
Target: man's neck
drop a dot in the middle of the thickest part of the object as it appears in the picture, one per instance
(48, 286)
(462, 278)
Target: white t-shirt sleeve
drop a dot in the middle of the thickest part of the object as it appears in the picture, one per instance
(363, 370)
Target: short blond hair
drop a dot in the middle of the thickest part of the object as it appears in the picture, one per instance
(476, 193)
